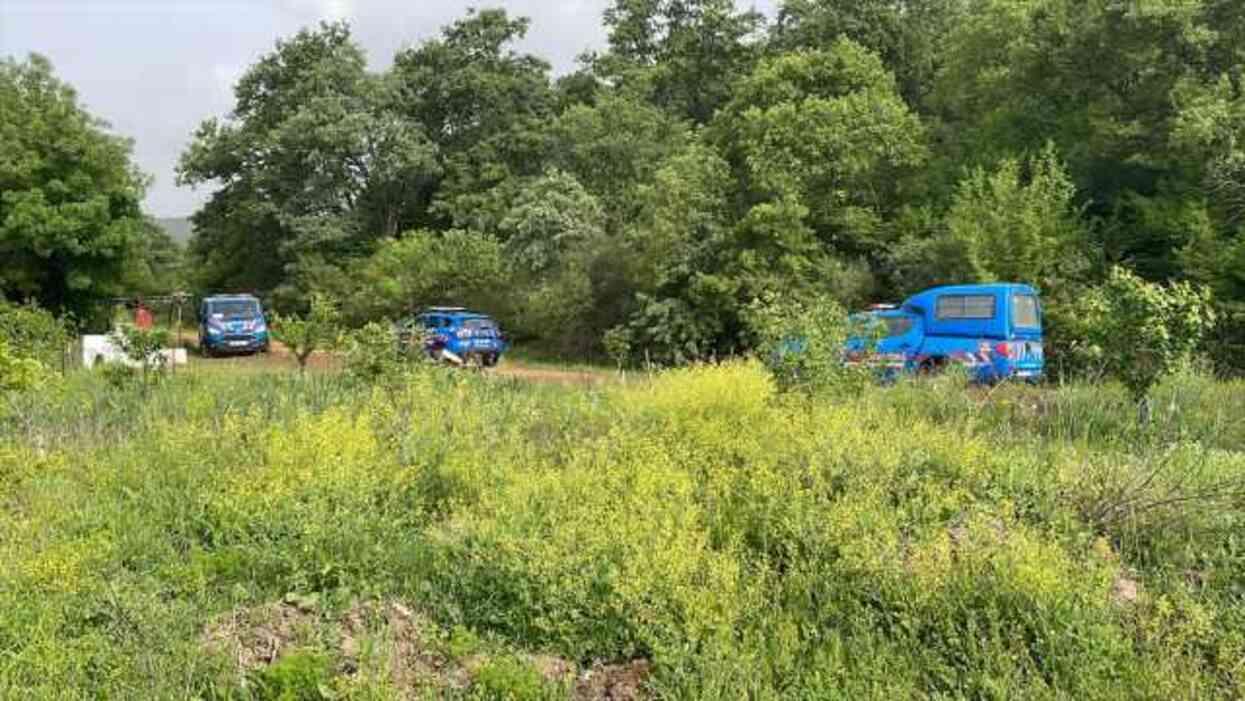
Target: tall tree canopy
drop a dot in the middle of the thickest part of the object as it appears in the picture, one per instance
(71, 224)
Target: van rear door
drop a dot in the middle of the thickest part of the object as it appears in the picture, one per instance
(1025, 345)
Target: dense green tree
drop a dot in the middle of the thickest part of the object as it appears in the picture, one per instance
(158, 267)
(684, 54)
(551, 216)
(908, 35)
(315, 163)
(423, 268)
(614, 147)
(70, 217)
(483, 106)
(824, 132)
(1019, 223)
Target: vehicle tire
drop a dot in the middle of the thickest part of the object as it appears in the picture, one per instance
(490, 360)
(931, 367)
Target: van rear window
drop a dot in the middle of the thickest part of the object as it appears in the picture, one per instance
(965, 307)
(1025, 311)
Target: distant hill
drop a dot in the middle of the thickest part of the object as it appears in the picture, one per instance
(179, 228)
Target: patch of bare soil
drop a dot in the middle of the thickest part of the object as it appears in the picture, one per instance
(614, 682)
(1125, 590)
(391, 635)
(390, 639)
(317, 360)
(258, 636)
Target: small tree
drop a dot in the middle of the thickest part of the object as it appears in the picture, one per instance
(1138, 332)
(375, 353)
(617, 343)
(144, 348)
(802, 343)
(320, 329)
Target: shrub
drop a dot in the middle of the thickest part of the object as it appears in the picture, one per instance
(17, 372)
(375, 352)
(509, 679)
(34, 333)
(1139, 332)
(802, 343)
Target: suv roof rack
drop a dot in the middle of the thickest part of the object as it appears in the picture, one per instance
(445, 309)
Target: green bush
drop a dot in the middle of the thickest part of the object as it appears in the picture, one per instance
(18, 373)
(34, 333)
(375, 353)
(510, 679)
(802, 344)
(1139, 332)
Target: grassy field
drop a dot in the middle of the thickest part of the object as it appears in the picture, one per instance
(246, 533)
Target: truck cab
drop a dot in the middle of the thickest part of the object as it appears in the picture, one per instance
(232, 324)
(992, 330)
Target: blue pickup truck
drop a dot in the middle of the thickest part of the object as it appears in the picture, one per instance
(994, 331)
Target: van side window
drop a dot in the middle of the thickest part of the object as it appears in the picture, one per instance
(965, 307)
(1025, 311)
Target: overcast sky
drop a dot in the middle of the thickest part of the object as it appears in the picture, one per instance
(154, 69)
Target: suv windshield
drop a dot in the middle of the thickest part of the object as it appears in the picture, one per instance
(240, 308)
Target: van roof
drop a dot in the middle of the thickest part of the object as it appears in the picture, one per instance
(981, 288)
(992, 288)
(457, 312)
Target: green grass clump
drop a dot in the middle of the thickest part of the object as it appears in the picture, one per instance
(920, 540)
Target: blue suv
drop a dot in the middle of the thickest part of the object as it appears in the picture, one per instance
(460, 336)
(232, 324)
(994, 331)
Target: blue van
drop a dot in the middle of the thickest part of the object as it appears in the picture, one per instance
(232, 324)
(993, 330)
